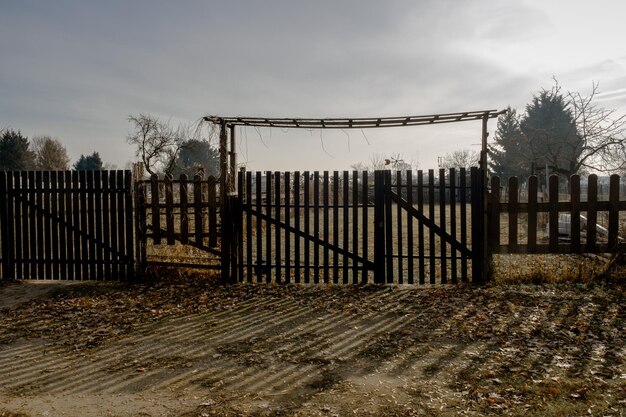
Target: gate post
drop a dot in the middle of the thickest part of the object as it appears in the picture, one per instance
(4, 227)
(140, 219)
(379, 227)
(478, 237)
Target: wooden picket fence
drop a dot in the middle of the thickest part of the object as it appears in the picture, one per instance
(409, 227)
(178, 212)
(423, 227)
(66, 225)
(549, 221)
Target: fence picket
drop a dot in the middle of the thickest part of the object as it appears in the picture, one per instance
(453, 231)
(296, 203)
(409, 227)
(463, 201)
(287, 205)
(335, 226)
(346, 242)
(442, 223)
(513, 209)
(613, 211)
(575, 212)
(431, 233)
(277, 215)
(399, 239)
(26, 200)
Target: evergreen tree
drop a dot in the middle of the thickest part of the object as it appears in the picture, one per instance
(91, 162)
(197, 155)
(14, 151)
(550, 131)
(508, 153)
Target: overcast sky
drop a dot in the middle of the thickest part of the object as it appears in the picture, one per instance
(76, 70)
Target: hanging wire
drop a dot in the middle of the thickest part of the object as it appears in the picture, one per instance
(348, 136)
(261, 136)
(366, 139)
(322, 142)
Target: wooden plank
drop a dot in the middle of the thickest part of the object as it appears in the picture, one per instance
(155, 208)
(32, 224)
(128, 217)
(106, 225)
(278, 241)
(307, 209)
(268, 227)
(287, 205)
(17, 223)
(97, 214)
(513, 200)
(463, 203)
(316, 226)
(453, 231)
(122, 253)
(296, 204)
(355, 225)
(410, 245)
(76, 247)
(169, 209)
(335, 226)
(478, 236)
(494, 226)
(8, 271)
(259, 229)
(532, 212)
(613, 210)
(420, 227)
(575, 212)
(442, 222)
(431, 215)
(91, 228)
(25, 224)
(554, 212)
(379, 227)
(240, 231)
(388, 228)
(184, 209)
(46, 213)
(346, 225)
(37, 221)
(326, 238)
(54, 213)
(365, 225)
(399, 228)
(211, 196)
(114, 239)
(248, 205)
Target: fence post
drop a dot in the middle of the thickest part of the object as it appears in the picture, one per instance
(4, 227)
(139, 201)
(478, 229)
(379, 227)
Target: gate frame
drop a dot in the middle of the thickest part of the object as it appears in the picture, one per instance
(228, 172)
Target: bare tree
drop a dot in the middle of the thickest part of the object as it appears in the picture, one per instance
(602, 133)
(50, 154)
(157, 143)
(462, 158)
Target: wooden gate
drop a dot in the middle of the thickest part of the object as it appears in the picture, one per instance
(66, 225)
(178, 222)
(347, 227)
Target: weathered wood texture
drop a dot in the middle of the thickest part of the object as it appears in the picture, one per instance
(66, 225)
(560, 218)
(179, 212)
(339, 227)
